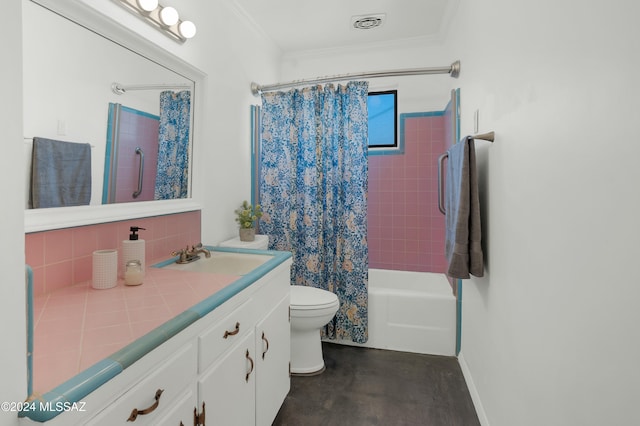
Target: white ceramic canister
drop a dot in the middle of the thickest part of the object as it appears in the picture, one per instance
(105, 269)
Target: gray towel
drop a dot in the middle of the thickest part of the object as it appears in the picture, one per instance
(60, 173)
(462, 204)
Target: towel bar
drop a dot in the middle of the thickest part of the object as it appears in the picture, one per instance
(490, 136)
(30, 140)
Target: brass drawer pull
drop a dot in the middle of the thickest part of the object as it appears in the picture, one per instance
(251, 370)
(228, 333)
(267, 342)
(198, 419)
(135, 412)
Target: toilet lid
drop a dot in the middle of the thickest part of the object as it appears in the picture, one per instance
(303, 297)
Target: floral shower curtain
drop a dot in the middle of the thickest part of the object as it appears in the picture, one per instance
(172, 178)
(313, 191)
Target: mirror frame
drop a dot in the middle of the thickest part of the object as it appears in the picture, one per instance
(36, 220)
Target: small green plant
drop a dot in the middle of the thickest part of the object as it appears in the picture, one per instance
(247, 214)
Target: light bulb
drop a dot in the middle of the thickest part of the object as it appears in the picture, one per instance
(187, 29)
(169, 16)
(148, 5)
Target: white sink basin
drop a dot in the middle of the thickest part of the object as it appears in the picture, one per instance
(222, 262)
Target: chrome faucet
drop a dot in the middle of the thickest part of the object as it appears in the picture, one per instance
(188, 255)
(199, 248)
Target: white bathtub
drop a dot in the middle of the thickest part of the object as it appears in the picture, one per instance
(411, 312)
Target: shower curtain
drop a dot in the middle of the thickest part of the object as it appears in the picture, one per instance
(313, 192)
(172, 178)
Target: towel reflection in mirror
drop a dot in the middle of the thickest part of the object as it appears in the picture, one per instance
(60, 173)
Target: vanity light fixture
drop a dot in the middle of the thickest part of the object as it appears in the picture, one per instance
(169, 16)
(148, 5)
(164, 18)
(187, 29)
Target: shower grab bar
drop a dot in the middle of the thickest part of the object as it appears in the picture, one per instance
(140, 152)
(490, 136)
(440, 183)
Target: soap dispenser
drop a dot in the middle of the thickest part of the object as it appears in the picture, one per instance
(133, 249)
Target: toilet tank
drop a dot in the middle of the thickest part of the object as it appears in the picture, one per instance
(260, 243)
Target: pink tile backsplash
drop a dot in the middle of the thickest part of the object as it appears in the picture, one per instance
(406, 229)
(63, 257)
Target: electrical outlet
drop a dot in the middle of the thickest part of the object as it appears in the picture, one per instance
(476, 119)
(62, 127)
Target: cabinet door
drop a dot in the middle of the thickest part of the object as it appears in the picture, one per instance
(227, 388)
(273, 353)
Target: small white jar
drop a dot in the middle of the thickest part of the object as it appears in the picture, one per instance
(133, 273)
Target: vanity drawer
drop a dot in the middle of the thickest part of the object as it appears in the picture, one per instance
(225, 333)
(173, 376)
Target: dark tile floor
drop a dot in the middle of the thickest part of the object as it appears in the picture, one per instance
(377, 387)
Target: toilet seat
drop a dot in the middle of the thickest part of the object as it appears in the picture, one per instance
(311, 298)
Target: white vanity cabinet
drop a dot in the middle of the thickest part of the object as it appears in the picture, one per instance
(272, 362)
(229, 367)
(247, 384)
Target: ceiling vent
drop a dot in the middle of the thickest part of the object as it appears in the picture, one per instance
(367, 22)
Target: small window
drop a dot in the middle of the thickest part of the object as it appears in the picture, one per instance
(383, 119)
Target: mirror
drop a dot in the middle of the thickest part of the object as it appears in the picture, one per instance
(68, 77)
(68, 99)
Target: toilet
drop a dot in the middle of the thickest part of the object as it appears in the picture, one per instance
(311, 308)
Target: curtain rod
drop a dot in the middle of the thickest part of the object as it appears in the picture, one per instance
(120, 89)
(453, 70)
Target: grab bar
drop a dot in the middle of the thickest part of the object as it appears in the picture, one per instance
(140, 152)
(440, 183)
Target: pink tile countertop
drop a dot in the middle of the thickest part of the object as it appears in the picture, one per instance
(77, 326)
(84, 337)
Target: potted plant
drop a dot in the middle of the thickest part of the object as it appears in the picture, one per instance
(246, 216)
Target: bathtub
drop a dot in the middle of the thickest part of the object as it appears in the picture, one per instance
(410, 312)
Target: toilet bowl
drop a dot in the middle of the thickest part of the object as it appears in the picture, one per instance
(311, 308)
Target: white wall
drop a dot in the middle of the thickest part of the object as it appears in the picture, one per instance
(229, 52)
(550, 333)
(233, 54)
(13, 376)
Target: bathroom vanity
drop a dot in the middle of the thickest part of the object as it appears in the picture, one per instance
(223, 361)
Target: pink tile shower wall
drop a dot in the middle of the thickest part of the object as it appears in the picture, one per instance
(136, 130)
(63, 257)
(406, 229)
